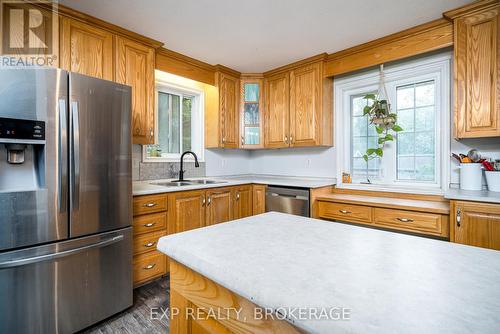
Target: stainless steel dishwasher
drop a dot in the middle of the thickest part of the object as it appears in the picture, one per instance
(294, 201)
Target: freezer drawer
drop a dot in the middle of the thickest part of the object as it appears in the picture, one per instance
(66, 286)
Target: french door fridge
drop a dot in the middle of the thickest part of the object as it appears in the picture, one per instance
(65, 200)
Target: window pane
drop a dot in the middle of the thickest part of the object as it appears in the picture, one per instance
(424, 94)
(251, 113)
(405, 97)
(187, 106)
(363, 136)
(416, 144)
(168, 122)
(251, 92)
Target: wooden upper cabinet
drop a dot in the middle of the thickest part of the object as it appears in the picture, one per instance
(477, 61)
(228, 108)
(251, 111)
(135, 66)
(305, 107)
(277, 114)
(475, 224)
(187, 211)
(243, 201)
(86, 49)
(219, 207)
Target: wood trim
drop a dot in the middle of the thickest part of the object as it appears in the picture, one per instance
(471, 8)
(227, 70)
(179, 64)
(300, 63)
(427, 37)
(89, 19)
(390, 203)
(189, 289)
(314, 193)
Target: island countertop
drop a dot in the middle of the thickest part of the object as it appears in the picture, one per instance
(390, 282)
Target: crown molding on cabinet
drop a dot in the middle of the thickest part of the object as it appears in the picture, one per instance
(471, 8)
(300, 63)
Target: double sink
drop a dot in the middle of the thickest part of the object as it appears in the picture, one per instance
(185, 183)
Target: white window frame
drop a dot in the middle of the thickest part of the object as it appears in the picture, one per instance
(198, 129)
(437, 68)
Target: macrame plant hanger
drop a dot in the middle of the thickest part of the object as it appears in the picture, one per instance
(381, 86)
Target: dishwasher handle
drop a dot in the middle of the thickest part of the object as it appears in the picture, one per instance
(299, 197)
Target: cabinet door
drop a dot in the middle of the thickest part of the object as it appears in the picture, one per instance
(259, 199)
(228, 100)
(305, 106)
(219, 205)
(477, 111)
(242, 201)
(277, 111)
(86, 50)
(476, 224)
(135, 66)
(187, 211)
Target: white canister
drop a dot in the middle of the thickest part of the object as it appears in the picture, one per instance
(493, 180)
(471, 176)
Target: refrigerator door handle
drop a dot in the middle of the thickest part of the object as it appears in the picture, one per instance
(53, 256)
(63, 157)
(75, 139)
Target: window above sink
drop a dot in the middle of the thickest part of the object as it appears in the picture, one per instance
(179, 123)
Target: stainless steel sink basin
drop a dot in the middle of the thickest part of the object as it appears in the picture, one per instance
(186, 183)
(203, 181)
(172, 184)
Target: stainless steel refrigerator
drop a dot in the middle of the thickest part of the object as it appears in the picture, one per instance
(65, 200)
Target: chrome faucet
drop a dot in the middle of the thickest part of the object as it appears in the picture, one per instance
(181, 169)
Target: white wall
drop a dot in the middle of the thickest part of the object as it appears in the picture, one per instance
(312, 161)
(227, 162)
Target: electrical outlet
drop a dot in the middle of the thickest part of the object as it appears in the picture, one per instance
(308, 163)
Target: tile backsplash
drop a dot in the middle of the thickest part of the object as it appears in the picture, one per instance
(160, 170)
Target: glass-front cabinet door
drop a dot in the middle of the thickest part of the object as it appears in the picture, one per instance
(251, 113)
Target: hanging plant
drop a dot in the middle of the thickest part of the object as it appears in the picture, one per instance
(379, 113)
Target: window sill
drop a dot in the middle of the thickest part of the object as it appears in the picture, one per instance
(392, 188)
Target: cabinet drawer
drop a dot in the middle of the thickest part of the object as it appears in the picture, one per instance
(150, 223)
(147, 242)
(345, 212)
(149, 204)
(148, 266)
(409, 220)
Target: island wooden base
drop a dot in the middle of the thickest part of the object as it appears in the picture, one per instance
(200, 306)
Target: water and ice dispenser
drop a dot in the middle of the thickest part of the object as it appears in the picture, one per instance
(22, 145)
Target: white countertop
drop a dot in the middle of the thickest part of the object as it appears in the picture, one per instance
(473, 195)
(146, 188)
(392, 283)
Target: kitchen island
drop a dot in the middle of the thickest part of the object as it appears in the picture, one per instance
(324, 277)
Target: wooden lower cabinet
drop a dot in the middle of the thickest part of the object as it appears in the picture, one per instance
(195, 297)
(258, 199)
(243, 201)
(475, 224)
(187, 210)
(149, 225)
(219, 207)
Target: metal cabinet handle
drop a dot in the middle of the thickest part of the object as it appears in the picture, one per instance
(238, 196)
(149, 224)
(285, 139)
(405, 220)
(223, 140)
(203, 201)
(150, 244)
(291, 139)
(209, 200)
(344, 211)
(459, 218)
(150, 205)
(148, 267)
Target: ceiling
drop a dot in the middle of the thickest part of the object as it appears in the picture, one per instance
(258, 35)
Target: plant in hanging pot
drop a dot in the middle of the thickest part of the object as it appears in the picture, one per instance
(385, 122)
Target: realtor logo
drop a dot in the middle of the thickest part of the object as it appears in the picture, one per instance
(27, 32)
